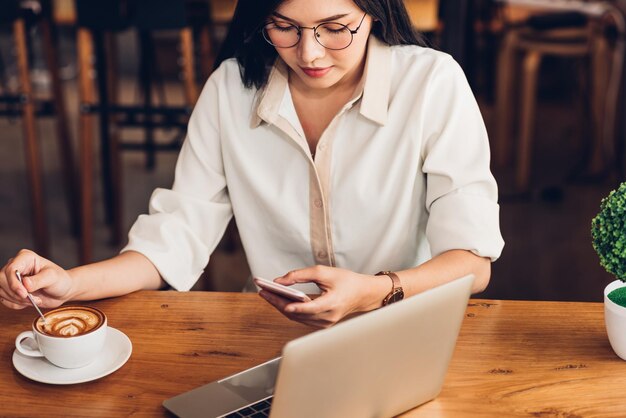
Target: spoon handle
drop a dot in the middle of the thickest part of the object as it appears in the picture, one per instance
(19, 277)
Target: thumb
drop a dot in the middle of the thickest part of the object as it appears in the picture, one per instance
(45, 278)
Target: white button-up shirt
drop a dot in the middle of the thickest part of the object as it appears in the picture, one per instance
(400, 175)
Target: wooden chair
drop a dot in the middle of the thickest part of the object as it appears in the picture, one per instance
(522, 51)
(97, 21)
(29, 108)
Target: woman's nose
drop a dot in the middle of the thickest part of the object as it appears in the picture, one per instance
(309, 48)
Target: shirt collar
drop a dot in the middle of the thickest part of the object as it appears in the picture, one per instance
(375, 87)
(270, 97)
(377, 77)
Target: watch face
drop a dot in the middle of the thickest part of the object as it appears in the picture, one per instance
(397, 296)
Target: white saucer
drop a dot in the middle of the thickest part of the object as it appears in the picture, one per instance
(116, 352)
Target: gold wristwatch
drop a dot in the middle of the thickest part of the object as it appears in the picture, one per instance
(396, 294)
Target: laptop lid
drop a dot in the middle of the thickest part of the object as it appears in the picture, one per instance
(378, 364)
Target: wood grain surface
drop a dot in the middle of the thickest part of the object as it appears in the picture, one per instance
(180, 341)
(532, 359)
(513, 358)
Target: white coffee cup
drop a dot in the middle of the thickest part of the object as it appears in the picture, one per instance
(75, 337)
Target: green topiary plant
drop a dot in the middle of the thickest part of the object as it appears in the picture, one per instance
(608, 233)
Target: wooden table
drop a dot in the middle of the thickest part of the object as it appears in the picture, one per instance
(512, 358)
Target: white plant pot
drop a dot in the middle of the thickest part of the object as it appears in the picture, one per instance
(615, 320)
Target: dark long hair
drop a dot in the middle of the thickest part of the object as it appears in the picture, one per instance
(244, 41)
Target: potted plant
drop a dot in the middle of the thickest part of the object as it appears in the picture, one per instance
(608, 232)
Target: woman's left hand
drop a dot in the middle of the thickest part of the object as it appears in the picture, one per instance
(344, 292)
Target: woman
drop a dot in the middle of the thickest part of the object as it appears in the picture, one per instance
(343, 149)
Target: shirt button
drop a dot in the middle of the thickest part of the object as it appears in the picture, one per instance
(322, 146)
(318, 203)
(321, 254)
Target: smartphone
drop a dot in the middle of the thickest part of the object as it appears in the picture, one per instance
(281, 290)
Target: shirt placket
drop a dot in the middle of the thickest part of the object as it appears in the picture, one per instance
(320, 192)
(319, 173)
(319, 198)
(319, 189)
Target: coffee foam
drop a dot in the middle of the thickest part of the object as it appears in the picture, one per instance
(70, 321)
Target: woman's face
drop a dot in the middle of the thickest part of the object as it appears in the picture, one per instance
(314, 67)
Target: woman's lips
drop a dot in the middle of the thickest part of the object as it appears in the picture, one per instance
(315, 72)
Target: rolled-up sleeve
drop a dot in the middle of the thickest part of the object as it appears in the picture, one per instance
(461, 192)
(185, 223)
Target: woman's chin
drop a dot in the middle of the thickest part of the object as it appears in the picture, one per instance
(319, 83)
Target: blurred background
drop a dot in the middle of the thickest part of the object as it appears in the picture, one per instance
(95, 96)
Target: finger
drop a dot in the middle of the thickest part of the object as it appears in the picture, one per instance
(294, 311)
(4, 283)
(278, 302)
(9, 298)
(12, 304)
(316, 274)
(281, 303)
(285, 307)
(9, 261)
(27, 263)
(11, 284)
(317, 306)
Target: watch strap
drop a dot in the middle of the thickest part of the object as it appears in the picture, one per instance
(396, 289)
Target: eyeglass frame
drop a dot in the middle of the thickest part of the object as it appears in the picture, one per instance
(314, 29)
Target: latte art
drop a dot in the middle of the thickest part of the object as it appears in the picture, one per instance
(70, 321)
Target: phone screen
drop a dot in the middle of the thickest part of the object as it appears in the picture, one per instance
(281, 290)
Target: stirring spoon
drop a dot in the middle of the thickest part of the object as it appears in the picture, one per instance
(19, 277)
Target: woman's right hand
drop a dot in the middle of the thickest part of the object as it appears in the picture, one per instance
(49, 284)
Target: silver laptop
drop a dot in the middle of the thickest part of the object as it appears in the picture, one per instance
(375, 365)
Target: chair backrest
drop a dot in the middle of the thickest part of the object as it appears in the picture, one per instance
(145, 15)
(198, 13)
(160, 14)
(547, 25)
(515, 14)
(109, 15)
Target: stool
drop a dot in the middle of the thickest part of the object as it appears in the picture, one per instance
(28, 107)
(533, 44)
(97, 21)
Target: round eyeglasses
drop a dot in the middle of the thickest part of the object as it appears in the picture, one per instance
(331, 35)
